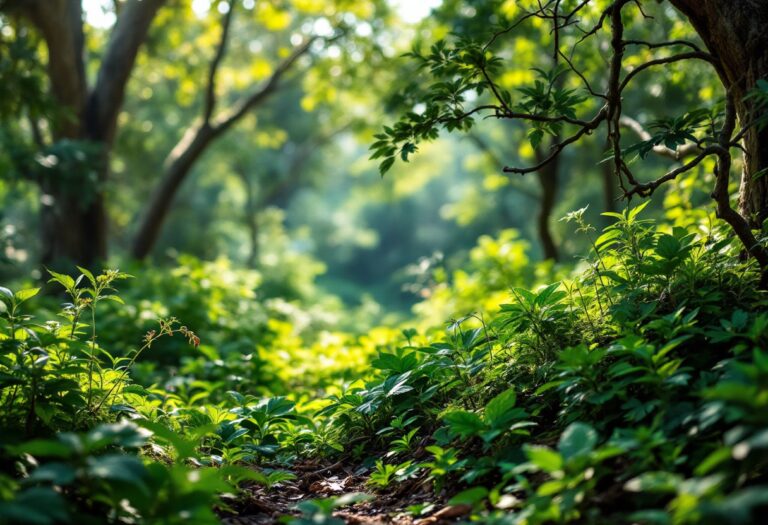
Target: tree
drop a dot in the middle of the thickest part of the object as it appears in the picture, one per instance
(728, 36)
(74, 214)
(200, 135)
(75, 228)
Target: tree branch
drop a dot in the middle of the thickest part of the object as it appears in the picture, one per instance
(481, 145)
(667, 60)
(558, 147)
(126, 39)
(675, 154)
(739, 224)
(246, 104)
(221, 49)
(60, 23)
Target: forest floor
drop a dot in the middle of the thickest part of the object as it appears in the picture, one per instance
(262, 506)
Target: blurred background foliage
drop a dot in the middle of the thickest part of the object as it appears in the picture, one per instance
(285, 211)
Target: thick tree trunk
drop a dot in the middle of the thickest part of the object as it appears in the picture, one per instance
(548, 181)
(74, 219)
(734, 31)
(71, 232)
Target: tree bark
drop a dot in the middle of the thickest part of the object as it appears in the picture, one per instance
(548, 181)
(610, 190)
(734, 31)
(178, 165)
(74, 220)
(251, 216)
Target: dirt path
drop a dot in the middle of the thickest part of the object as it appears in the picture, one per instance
(262, 506)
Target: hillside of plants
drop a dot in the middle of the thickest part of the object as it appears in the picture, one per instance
(383, 262)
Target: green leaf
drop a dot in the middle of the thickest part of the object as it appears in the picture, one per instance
(397, 385)
(577, 440)
(23, 295)
(55, 473)
(65, 280)
(660, 482)
(464, 424)
(114, 298)
(385, 165)
(547, 296)
(406, 150)
(184, 448)
(545, 458)
(88, 275)
(497, 408)
(668, 246)
(117, 467)
(6, 296)
(472, 496)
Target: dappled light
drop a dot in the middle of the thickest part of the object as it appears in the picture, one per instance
(383, 262)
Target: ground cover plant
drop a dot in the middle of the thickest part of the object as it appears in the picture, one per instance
(585, 399)
(353, 312)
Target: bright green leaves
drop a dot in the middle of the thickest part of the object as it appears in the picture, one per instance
(545, 458)
(385, 474)
(541, 314)
(12, 300)
(500, 416)
(23, 295)
(400, 362)
(459, 86)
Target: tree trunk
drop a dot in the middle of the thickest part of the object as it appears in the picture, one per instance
(177, 166)
(74, 219)
(610, 193)
(251, 216)
(734, 31)
(71, 232)
(548, 181)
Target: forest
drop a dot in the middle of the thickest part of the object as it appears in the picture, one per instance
(369, 262)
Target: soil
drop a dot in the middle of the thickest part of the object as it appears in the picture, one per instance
(261, 506)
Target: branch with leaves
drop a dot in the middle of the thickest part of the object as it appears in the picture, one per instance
(463, 89)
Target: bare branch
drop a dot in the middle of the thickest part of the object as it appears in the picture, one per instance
(738, 223)
(221, 49)
(693, 55)
(516, 24)
(558, 147)
(127, 37)
(647, 188)
(669, 43)
(246, 104)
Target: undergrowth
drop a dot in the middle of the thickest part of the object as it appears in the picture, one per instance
(632, 390)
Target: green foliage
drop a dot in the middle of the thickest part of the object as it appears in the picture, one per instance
(571, 397)
(320, 511)
(619, 380)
